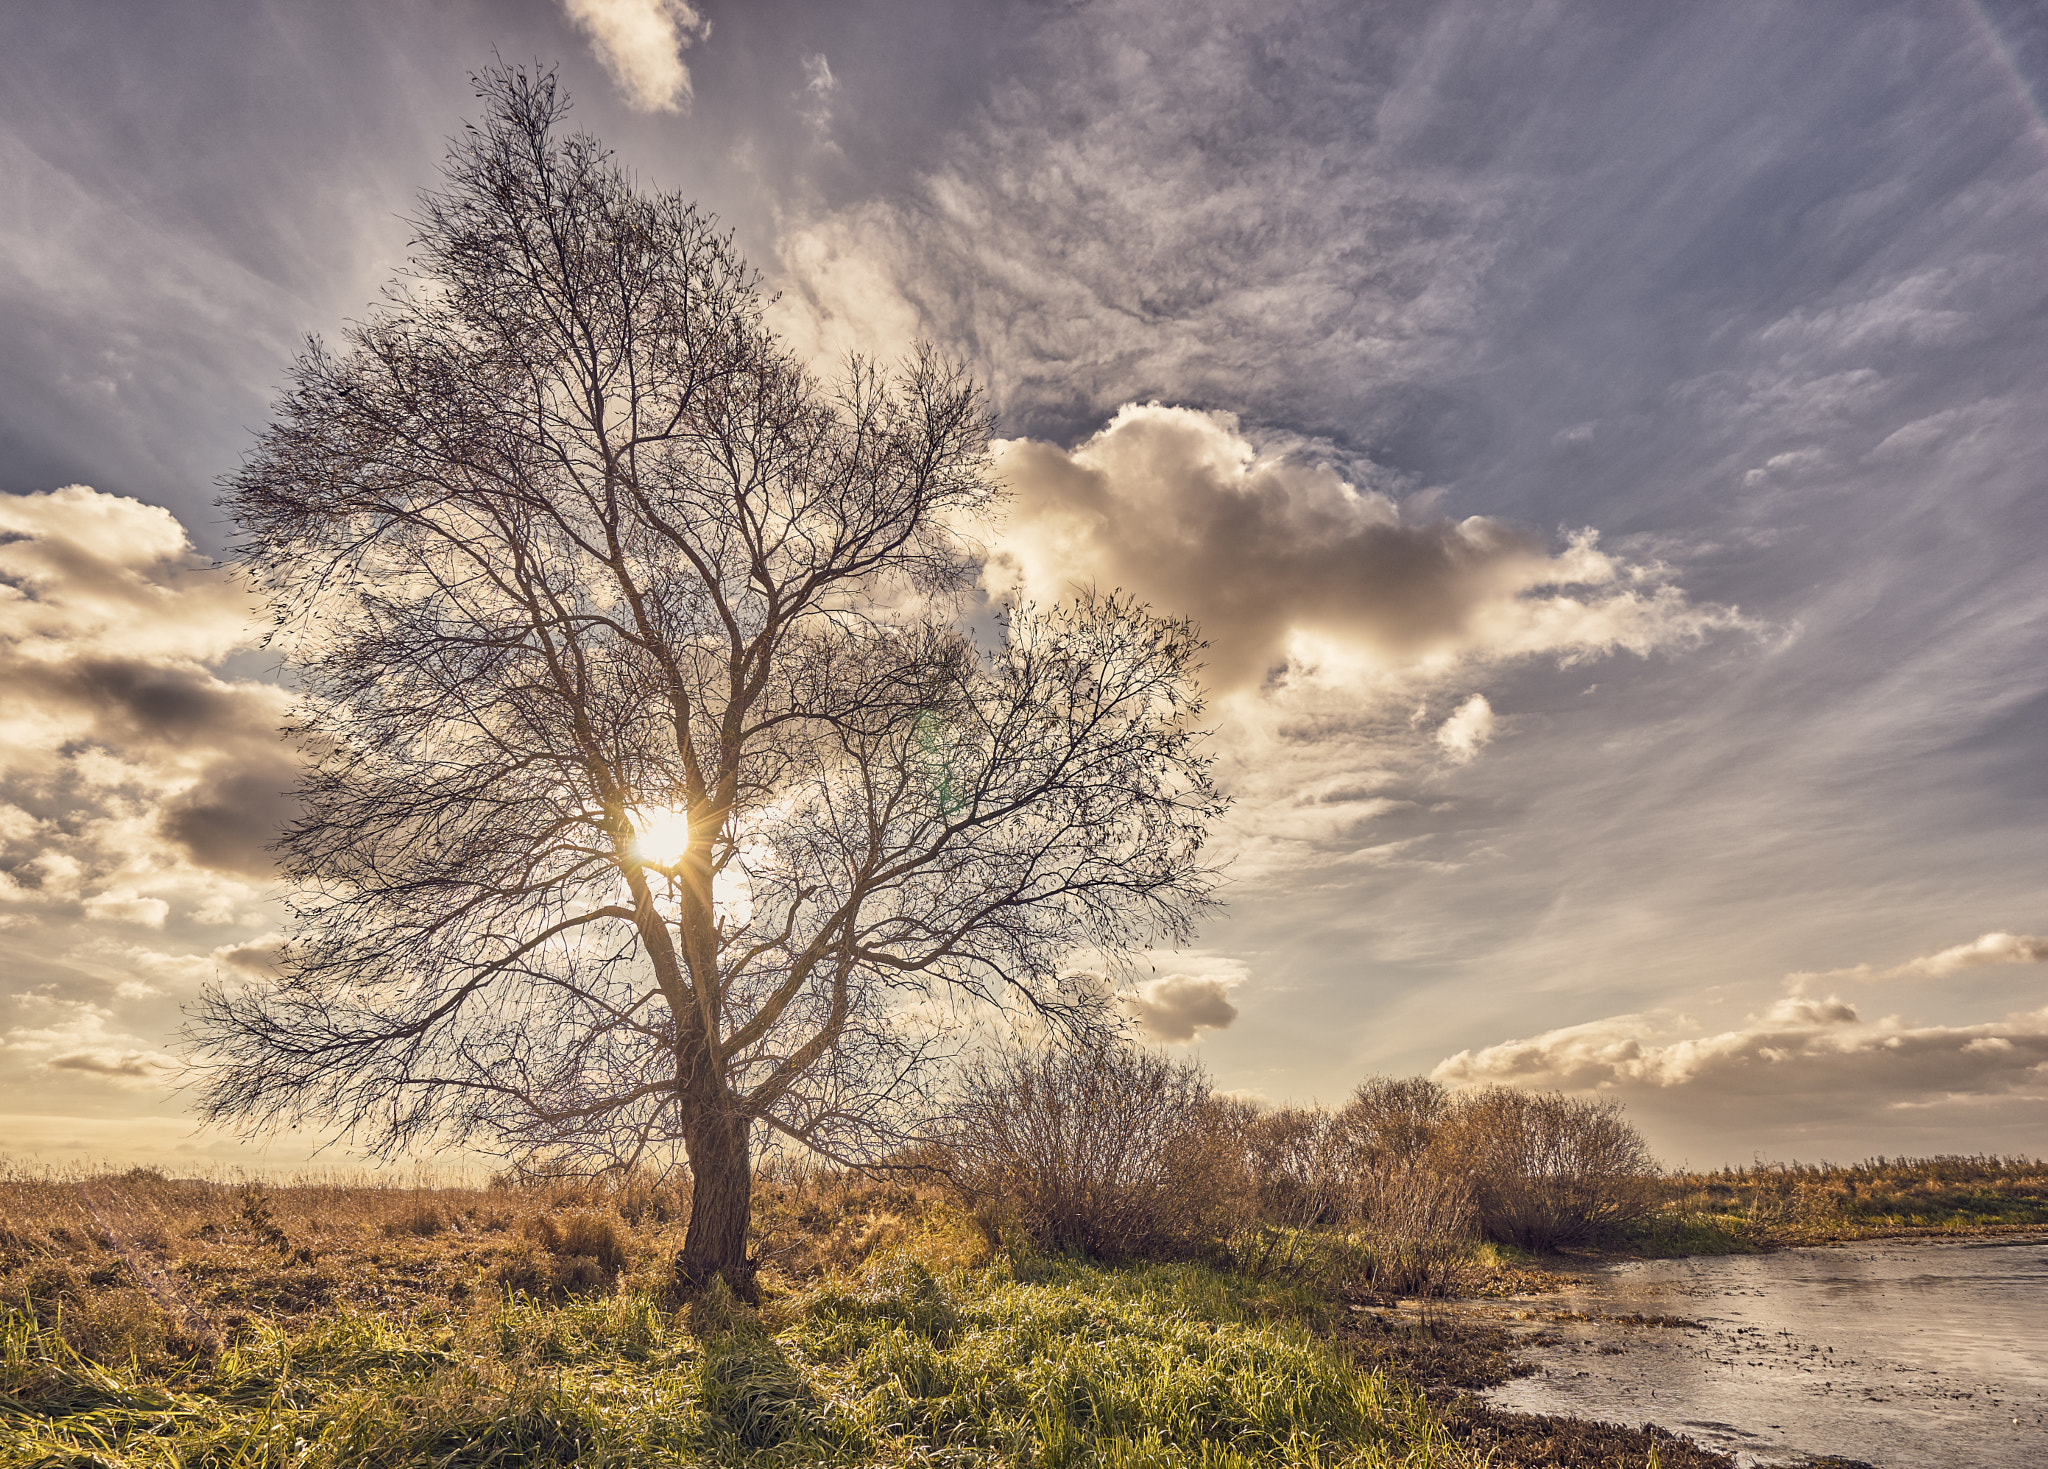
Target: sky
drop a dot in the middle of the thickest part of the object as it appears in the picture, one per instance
(1604, 445)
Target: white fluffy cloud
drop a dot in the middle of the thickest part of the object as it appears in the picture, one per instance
(1797, 1048)
(84, 574)
(640, 44)
(1469, 727)
(1188, 993)
(1803, 1051)
(1346, 627)
(1287, 566)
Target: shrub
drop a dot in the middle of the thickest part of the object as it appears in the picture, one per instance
(643, 1197)
(1392, 1123)
(1106, 1150)
(1420, 1229)
(1301, 1166)
(589, 1233)
(1546, 1169)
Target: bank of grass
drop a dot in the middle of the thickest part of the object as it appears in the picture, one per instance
(149, 1322)
(1147, 1366)
(1779, 1205)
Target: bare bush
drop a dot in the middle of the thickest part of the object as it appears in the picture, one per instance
(1301, 1165)
(1106, 1150)
(1420, 1230)
(1547, 1169)
(1392, 1122)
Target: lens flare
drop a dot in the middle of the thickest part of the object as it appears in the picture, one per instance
(661, 837)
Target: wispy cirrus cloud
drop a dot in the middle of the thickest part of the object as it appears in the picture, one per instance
(1979, 953)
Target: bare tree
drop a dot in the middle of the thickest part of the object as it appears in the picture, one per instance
(656, 797)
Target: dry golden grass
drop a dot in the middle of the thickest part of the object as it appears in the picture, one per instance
(141, 1266)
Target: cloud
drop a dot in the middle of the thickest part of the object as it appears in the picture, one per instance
(127, 1068)
(256, 957)
(135, 775)
(83, 1044)
(815, 104)
(1173, 1007)
(1469, 727)
(1188, 992)
(121, 905)
(1284, 561)
(1803, 1052)
(640, 44)
(99, 579)
(228, 820)
(1991, 948)
(1801, 1046)
(1141, 207)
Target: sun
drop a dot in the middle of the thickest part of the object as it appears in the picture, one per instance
(660, 837)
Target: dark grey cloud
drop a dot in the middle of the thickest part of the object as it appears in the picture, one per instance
(120, 1066)
(230, 819)
(136, 700)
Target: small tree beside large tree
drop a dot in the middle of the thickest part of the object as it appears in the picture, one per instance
(657, 800)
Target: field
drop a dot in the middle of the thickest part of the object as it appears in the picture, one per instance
(159, 1322)
(149, 1321)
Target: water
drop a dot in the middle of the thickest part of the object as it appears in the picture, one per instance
(1909, 1355)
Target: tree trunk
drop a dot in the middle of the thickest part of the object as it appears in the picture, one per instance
(721, 1204)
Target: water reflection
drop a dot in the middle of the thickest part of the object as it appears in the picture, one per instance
(1909, 1355)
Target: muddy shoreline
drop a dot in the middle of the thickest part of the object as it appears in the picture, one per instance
(1629, 1352)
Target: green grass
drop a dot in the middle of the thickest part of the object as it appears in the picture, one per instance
(1068, 1365)
(1670, 1235)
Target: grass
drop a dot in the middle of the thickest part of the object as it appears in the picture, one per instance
(148, 1322)
(1162, 1366)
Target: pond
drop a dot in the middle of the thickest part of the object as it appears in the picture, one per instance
(1905, 1354)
